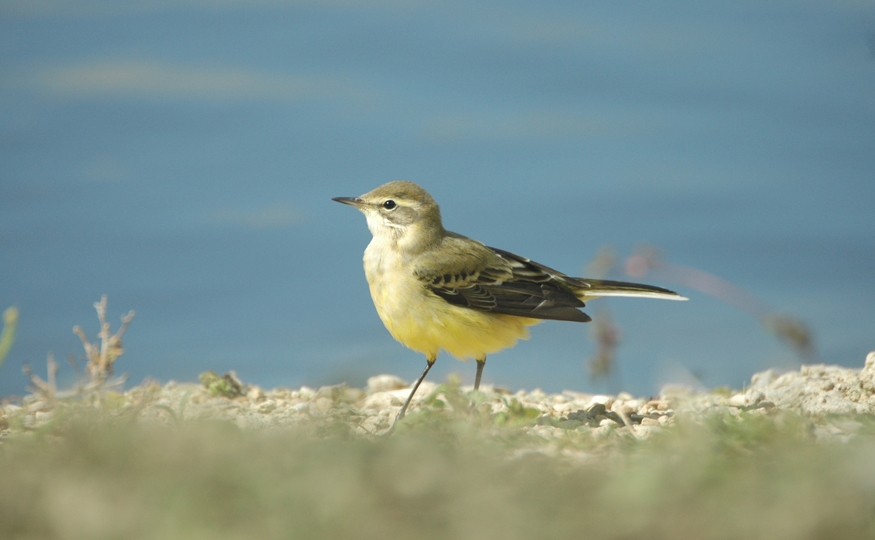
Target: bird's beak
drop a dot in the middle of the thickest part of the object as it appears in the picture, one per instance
(352, 201)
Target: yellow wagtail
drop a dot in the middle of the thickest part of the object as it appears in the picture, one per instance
(435, 289)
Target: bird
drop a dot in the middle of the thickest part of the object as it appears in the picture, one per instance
(438, 290)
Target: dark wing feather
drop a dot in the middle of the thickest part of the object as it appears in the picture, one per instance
(513, 285)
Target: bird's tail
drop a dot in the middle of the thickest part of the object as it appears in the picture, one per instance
(593, 288)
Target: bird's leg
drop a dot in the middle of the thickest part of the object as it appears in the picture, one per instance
(481, 363)
(430, 363)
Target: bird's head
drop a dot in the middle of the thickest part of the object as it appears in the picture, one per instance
(401, 212)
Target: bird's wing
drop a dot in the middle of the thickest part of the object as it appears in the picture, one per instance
(584, 289)
(487, 279)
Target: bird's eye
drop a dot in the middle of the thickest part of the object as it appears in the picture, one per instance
(389, 204)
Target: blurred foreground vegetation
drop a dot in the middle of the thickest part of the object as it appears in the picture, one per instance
(223, 460)
(92, 475)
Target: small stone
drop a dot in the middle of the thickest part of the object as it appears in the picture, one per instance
(537, 394)
(607, 422)
(763, 378)
(659, 404)
(381, 401)
(622, 407)
(607, 401)
(11, 408)
(752, 396)
(422, 392)
(562, 409)
(738, 400)
(870, 361)
(636, 404)
(323, 404)
(351, 395)
(267, 406)
(384, 383)
(647, 421)
(596, 410)
(301, 407)
(255, 394)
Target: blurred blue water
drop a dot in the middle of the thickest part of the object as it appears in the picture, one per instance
(181, 159)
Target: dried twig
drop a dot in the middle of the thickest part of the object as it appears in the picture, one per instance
(607, 337)
(101, 359)
(792, 331)
(47, 390)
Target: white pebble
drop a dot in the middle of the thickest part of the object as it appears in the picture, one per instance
(738, 400)
(324, 404)
(306, 392)
(267, 406)
(562, 409)
(622, 407)
(381, 401)
(301, 407)
(384, 383)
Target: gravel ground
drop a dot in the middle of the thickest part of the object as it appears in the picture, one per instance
(821, 392)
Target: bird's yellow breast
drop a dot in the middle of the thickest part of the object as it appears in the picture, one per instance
(427, 323)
